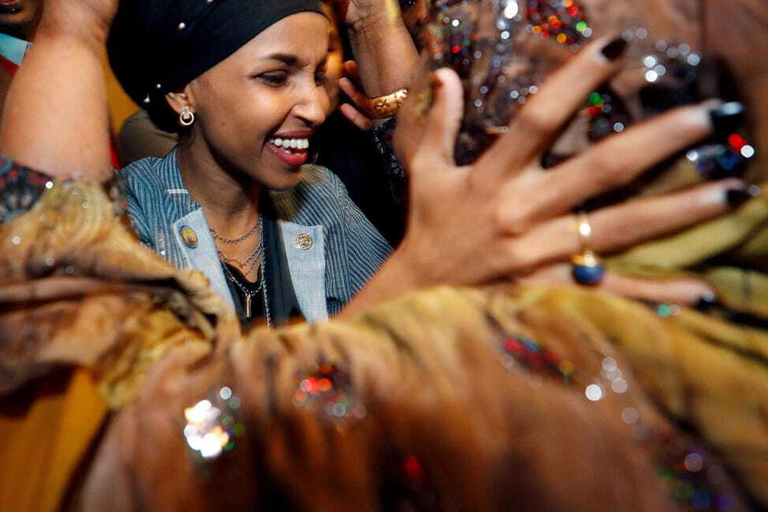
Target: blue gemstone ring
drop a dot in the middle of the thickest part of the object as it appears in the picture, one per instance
(587, 269)
(586, 266)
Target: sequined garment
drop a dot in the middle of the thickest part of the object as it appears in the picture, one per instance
(390, 411)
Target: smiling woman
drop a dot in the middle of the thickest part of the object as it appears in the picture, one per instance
(235, 199)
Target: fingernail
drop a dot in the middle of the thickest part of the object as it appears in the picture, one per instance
(727, 118)
(614, 49)
(435, 81)
(706, 302)
(736, 197)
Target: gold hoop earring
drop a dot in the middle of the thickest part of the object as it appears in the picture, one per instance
(186, 118)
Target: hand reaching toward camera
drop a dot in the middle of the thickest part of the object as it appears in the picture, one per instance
(505, 216)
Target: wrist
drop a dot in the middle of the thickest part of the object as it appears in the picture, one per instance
(380, 21)
(406, 267)
(79, 25)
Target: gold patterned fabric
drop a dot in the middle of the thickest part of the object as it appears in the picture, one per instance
(446, 399)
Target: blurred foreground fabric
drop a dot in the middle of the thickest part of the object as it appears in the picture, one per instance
(126, 384)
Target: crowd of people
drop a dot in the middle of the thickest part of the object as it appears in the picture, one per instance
(524, 270)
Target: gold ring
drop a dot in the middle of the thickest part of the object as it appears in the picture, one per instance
(587, 268)
(383, 107)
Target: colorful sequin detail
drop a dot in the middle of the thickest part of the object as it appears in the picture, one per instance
(564, 21)
(329, 388)
(534, 357)
(686, 468)
(212, 428)
(20, 188)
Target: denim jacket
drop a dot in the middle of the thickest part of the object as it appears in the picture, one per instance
(331, 248)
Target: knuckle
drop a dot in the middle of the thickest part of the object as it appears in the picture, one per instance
(512, 220)
(607, 171)
(518, 259)
(535, 122)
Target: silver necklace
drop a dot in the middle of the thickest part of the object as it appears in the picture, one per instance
(249, 294)
(247, 265)
(233, 241)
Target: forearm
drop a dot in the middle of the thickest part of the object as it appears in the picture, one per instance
(384, 52)
(395, 277)
(56, 115)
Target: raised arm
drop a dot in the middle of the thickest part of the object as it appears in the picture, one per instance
(383, 48)
(56, 114)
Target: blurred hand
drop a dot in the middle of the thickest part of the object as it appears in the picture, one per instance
(505, 216)
(681, 291)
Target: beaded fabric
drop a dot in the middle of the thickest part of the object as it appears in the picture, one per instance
(21, 188)
(504, 49)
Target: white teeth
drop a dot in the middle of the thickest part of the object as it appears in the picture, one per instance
(291, 143)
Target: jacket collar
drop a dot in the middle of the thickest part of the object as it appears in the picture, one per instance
(303, 241)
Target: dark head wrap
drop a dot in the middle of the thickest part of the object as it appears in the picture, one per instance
(158, 46)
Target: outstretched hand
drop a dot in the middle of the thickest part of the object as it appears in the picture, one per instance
(505, 217)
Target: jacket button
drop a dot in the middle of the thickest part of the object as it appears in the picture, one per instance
(304, 242)
(189, 236)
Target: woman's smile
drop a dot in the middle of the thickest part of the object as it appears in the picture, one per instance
(291, 147)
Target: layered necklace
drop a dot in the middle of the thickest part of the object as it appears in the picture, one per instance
(254, 262)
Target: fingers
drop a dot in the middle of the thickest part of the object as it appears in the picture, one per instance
(557, 100)
(355, 117)
(628, 224)
(621, 158)
(444, 119)
(411, 119)
(683, 292)
(350, 71)
(680, 291)
(358, 98)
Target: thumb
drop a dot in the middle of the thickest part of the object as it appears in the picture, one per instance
(444, 118)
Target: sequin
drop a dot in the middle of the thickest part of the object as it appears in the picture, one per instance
(212, 429)
(328, 388)
(562, 20)
(594, 392)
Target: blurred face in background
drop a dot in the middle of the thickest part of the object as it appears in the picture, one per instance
(335, 60)
(19, 18)
(415, 14)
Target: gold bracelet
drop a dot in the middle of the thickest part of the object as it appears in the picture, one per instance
(387, 106)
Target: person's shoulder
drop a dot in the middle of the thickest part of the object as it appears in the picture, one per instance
(318, 197)
(317, 175)
(150, 172)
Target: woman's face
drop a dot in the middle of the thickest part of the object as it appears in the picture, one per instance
(415, 14)
(258, 109)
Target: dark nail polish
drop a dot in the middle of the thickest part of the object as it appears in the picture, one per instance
(614, 49)
(738, 196)
(656, 98)
(706, 302)
(727, 118)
